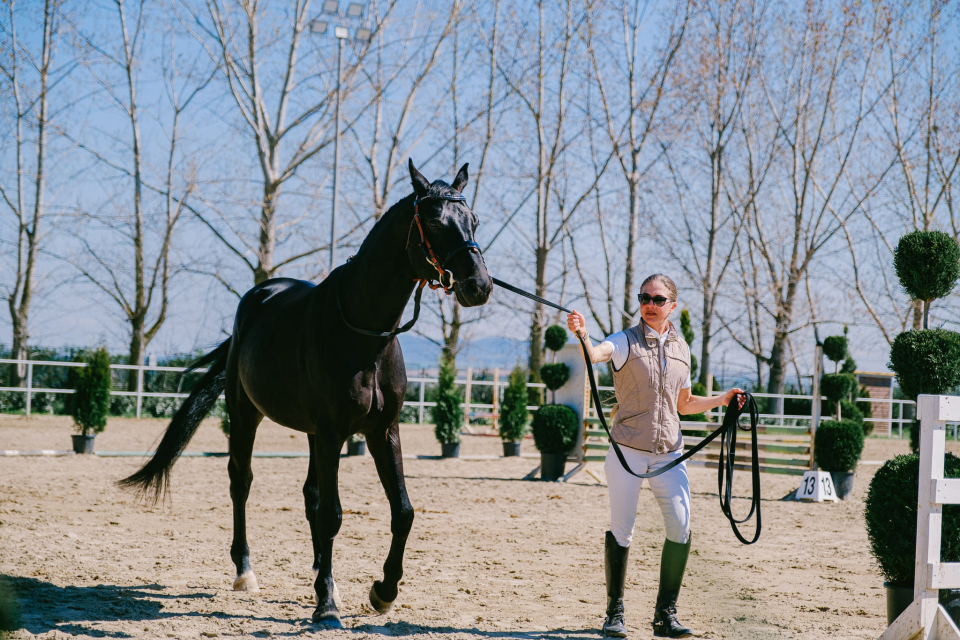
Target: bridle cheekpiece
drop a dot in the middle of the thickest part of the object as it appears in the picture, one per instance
(445, 277)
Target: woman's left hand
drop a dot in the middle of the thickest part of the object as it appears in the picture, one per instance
(730, 393)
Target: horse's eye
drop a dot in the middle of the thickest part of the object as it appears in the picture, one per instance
(434, 223)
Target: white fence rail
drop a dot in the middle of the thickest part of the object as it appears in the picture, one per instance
(900, 413)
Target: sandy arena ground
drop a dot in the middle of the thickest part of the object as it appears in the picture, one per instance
(489, 556)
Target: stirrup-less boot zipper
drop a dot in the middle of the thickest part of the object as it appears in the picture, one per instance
(673, 563)
(615, 565)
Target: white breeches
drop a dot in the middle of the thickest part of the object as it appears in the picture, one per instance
(671, 489)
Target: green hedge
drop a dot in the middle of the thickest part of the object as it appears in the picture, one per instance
(555, 428)
(513, 409)
(927, 264)
(926, 361)
(890, 512)
(838, 445)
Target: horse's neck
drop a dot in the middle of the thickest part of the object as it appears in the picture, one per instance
(376, 285)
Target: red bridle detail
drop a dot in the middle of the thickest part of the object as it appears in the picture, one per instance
(431, 257)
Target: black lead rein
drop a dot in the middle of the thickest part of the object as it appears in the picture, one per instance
(728, 443)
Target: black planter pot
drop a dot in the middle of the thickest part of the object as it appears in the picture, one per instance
(450, 449)
(357, 448)
(83, 444)
(511, 449)
(898, 599)
(842, 483)
(551, 466)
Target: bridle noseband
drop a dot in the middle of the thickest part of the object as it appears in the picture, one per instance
(445, 276)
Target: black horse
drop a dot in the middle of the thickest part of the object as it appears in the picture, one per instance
(324, 359)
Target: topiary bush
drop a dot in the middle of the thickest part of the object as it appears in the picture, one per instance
(928, 265)
(686, 328)
(90, 402)
(513, 409)
(837, 387)
(447, 414)
(835, 348)
(838, 445)
(555, 337)
(555, 429)
(890, 511)
(554, 375)
(926, 361)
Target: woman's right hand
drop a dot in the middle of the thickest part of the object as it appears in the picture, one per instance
(576, 322)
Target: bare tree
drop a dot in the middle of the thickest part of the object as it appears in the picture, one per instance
(288, 122)
(138, 284)
(701, 232)
(632, 115)
(816, 89)
(29, 76)
(921, 123)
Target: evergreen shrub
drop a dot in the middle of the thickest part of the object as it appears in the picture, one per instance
(90, 402)
(838, 445)
(447, 414)
(890, 511)
(555, 429)
(837, 386)
(926, 361)
(554, 375)
(513, 409)
(927, 264)
(835, 348)
(555, 337)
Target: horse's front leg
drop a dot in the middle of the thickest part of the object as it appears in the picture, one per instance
(328, 519)
(387, 456)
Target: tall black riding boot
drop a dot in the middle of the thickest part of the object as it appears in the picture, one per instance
(615, 562)
(672, 565)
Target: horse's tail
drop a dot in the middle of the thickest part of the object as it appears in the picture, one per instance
(152, 480)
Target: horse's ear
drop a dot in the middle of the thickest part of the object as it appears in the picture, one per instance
(420, 184)
(462, 176)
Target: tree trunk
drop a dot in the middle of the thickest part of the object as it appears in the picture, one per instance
(137, 345)
(451, 336)
(18, 350)
(268, 234)
(536, 326)
(633, 230)
(705, 342)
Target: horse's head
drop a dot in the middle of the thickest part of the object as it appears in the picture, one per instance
(441, 242)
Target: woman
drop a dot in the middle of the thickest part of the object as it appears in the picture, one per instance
(651, 375)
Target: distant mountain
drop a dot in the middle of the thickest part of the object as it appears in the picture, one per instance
(482, 353)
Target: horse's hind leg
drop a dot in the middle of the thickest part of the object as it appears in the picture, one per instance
(389, 460)
(244, 420)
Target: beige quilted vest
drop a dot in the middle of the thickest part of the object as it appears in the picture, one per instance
(646, 416)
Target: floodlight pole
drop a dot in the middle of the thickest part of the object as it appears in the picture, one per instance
(336, 160)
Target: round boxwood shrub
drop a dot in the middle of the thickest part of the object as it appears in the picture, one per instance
(447, 414)
(835, 348)
(555, 337)
(926, 361)
(837, 386)
(513, 409)
(90, 401)
(838, 445)
(927, 264)
(555, 428)
(554, 375)
(890, 512)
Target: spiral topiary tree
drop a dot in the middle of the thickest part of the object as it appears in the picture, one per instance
(928, 266)
(835, 348)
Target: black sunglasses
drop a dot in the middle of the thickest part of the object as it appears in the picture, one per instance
(646, 298)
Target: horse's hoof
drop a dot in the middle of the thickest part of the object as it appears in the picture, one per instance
(379, 605)
(327, 619)
(246, 581)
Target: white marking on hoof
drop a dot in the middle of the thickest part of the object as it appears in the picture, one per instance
(246, 581)
(336, 594)
(379, 605)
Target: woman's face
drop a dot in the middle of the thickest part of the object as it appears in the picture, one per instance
(655, 316)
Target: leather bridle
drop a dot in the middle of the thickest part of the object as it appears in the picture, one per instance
(445, 277)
